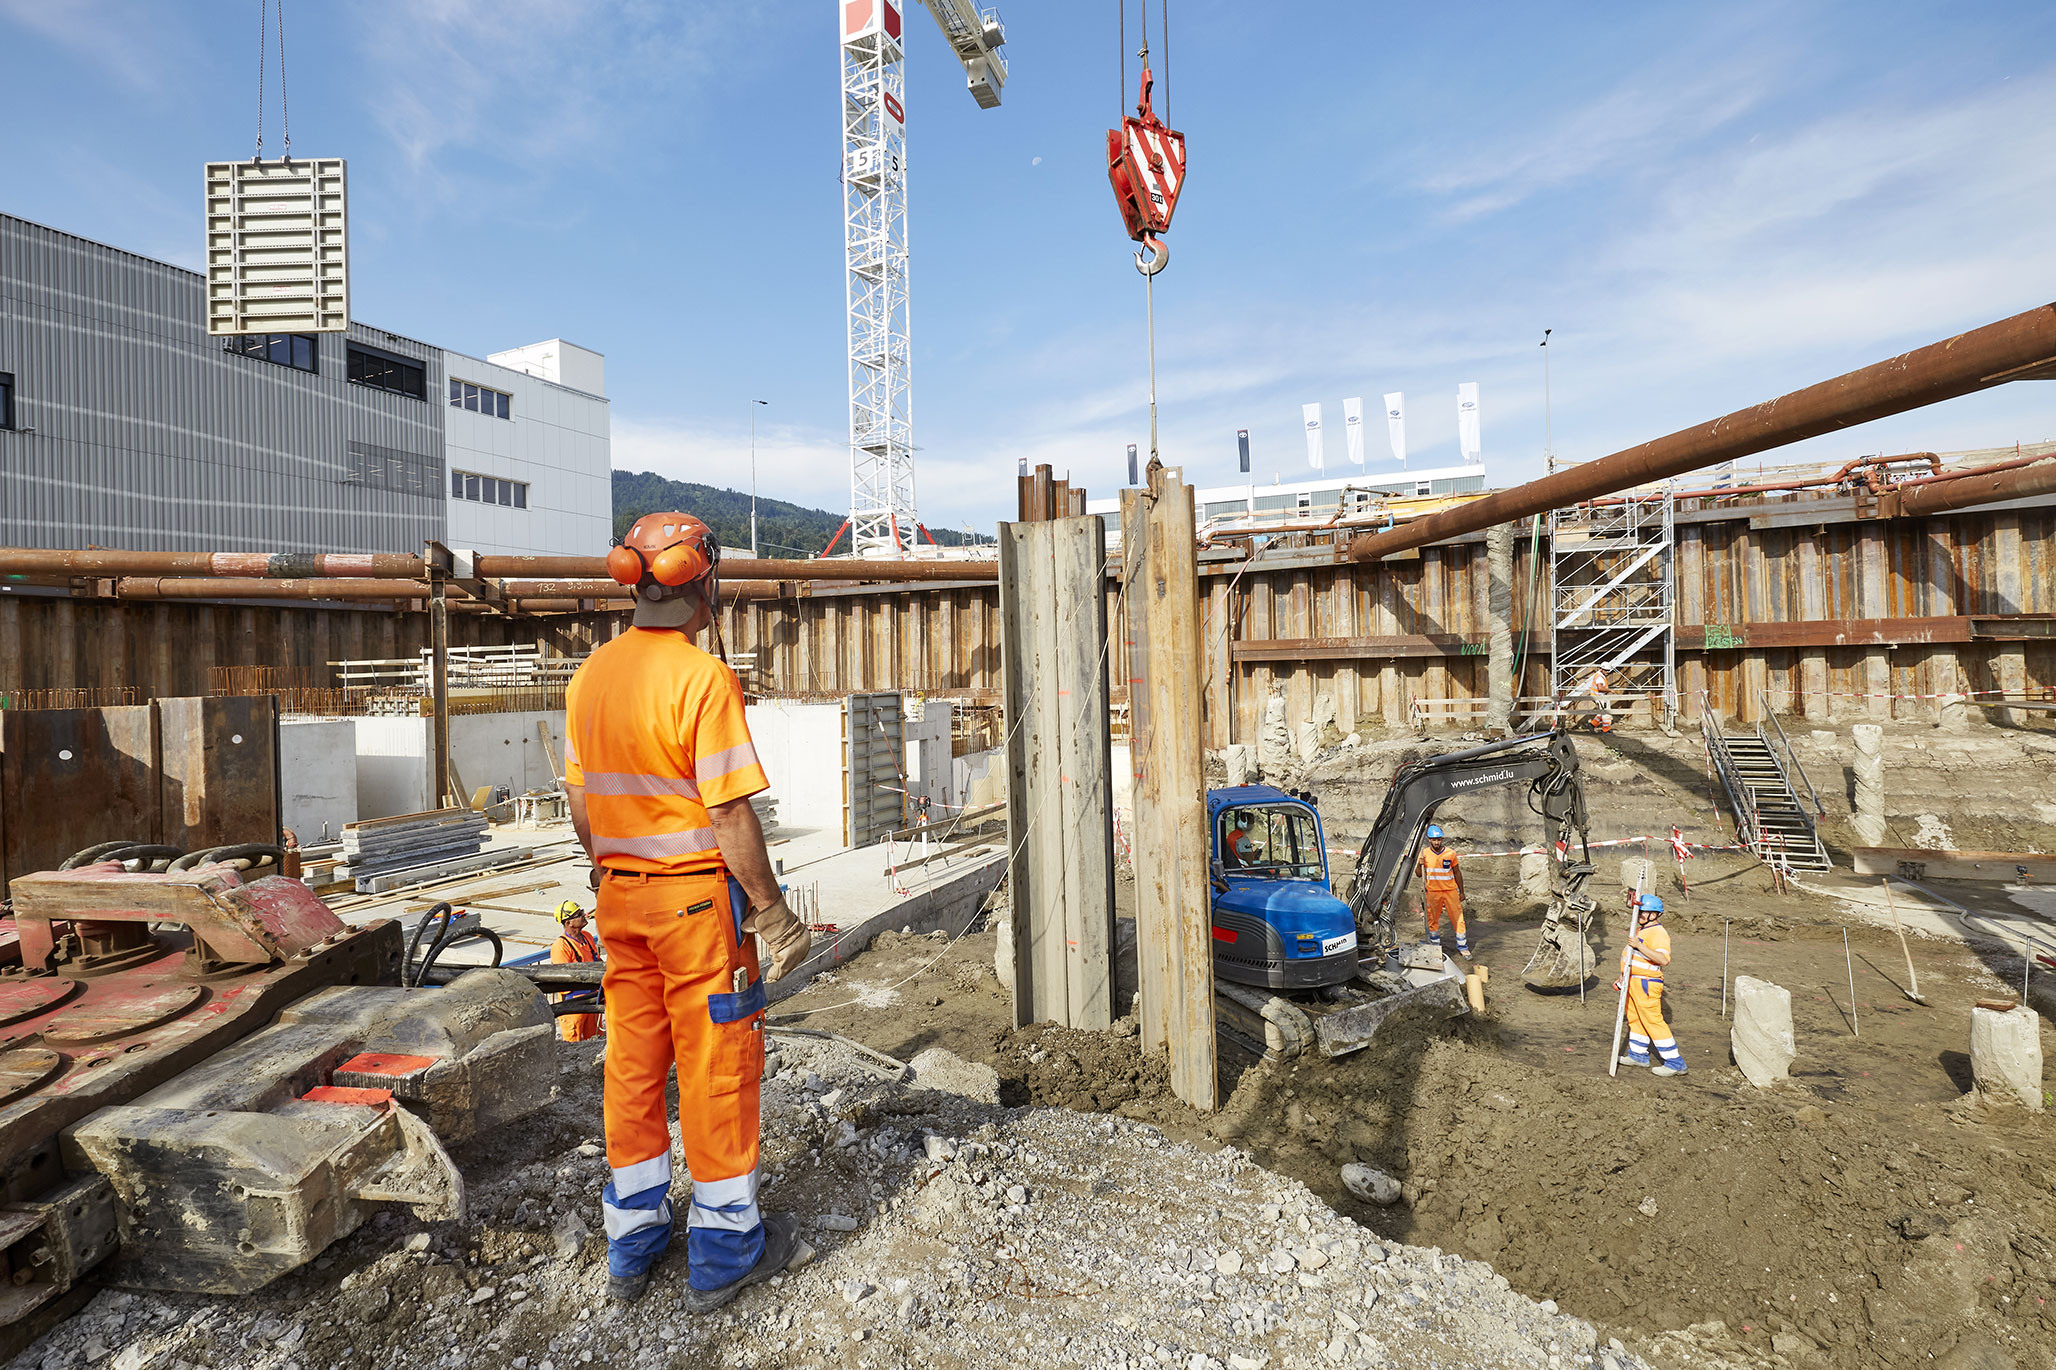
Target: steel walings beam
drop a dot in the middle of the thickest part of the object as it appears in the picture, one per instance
(2020, 348)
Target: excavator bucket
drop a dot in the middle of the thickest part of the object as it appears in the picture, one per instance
(1562, 960)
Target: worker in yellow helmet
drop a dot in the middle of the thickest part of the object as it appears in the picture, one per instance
(575, 944)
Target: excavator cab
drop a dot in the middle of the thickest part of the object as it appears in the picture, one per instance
(1275, 922)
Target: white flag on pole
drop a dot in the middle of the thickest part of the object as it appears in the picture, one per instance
(1395, 423)
(1316, 455)
(1353, 428)
(1467, 422)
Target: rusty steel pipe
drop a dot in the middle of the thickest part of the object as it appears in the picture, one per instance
(825, 568)
(229, 587)
(2018, 348)
(239, 565)
(1979, 487)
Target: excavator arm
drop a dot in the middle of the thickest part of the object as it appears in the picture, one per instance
(1548, 764)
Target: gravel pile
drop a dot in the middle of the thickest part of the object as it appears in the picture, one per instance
(939, 1230)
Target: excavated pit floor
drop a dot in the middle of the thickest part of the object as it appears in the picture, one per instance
(1867, 1212)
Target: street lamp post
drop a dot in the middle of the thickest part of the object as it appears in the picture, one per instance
(753, 473)
(1548, 448)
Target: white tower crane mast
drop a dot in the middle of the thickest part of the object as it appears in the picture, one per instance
(874, 203)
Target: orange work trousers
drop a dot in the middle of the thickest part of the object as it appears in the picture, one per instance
(1443, 901)
(682, 986)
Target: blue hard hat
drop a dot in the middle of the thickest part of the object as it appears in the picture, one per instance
(1652, 903)
(1434, 830)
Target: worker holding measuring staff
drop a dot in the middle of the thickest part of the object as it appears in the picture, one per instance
(659, 770)
(1642, 962)
(574, 944)
(1443, 883)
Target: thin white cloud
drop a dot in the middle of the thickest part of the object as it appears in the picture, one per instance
(535, 81)
(1653, 115)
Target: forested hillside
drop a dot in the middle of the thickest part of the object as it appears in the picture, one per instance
(783, 529)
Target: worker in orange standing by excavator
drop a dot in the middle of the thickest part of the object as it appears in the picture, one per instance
(659, 770)
(1443, 883)
(574, 944)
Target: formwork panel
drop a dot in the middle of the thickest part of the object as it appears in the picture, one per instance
(278, 247)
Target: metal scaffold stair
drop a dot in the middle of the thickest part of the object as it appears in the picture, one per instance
(1769, 816)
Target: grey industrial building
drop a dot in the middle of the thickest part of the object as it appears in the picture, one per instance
(123, 424)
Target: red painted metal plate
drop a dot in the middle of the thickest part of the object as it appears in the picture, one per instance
(112, 1010)
(386, 1063)
(21, 999)
(23, 1069)
(342, 1094)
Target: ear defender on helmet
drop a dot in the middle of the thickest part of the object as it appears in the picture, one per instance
(679, 564)
(625, 564)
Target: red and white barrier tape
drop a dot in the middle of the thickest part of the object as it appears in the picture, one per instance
(1611, 842)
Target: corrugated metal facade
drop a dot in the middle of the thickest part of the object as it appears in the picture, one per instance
(150, 435)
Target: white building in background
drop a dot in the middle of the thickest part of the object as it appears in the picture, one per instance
(526, 445)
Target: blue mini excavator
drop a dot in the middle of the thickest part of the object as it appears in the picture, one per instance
(1336, 970)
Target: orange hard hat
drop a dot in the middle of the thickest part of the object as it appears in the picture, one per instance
(671, 549)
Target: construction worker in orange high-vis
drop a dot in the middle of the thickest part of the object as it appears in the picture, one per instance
(1444, 889)
(574, 943)
(659, 769)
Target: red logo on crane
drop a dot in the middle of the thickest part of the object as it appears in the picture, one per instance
(863, 17)
(892, 107)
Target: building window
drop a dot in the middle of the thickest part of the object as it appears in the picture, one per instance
(388, 371)
(1424, 487)
(389, 468)
(494, 404)
(297, 350)
(488, 489)
(6, 399)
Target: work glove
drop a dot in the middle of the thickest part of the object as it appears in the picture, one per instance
(785, 937)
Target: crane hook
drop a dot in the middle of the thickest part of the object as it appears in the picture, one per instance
(1149, 266)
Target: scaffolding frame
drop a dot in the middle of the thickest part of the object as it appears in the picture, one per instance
(1613, 599)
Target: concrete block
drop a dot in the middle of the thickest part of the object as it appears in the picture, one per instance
(1869, 817)
(1535, 873)
(1309, 740)
(2006, 1056)
(1632, 868)
(1274, 735)
(1761, 1038)
(1952, 714)
(1240, 759)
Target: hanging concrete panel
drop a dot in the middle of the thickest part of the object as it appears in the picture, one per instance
(278, 247)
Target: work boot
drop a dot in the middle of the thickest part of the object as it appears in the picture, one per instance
(781, 1236)
(1674, 1066)
(629, 1288)
(1629, 1058)
(1463, 948)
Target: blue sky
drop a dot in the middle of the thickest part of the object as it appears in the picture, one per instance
(1710, 205)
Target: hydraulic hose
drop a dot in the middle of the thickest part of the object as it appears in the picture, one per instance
(409, 976)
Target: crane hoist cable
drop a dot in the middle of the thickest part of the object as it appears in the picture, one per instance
(284, 112)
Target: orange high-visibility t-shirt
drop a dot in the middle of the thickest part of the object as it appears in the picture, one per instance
(654, 731)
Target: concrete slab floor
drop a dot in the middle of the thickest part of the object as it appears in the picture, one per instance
(854, 891)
